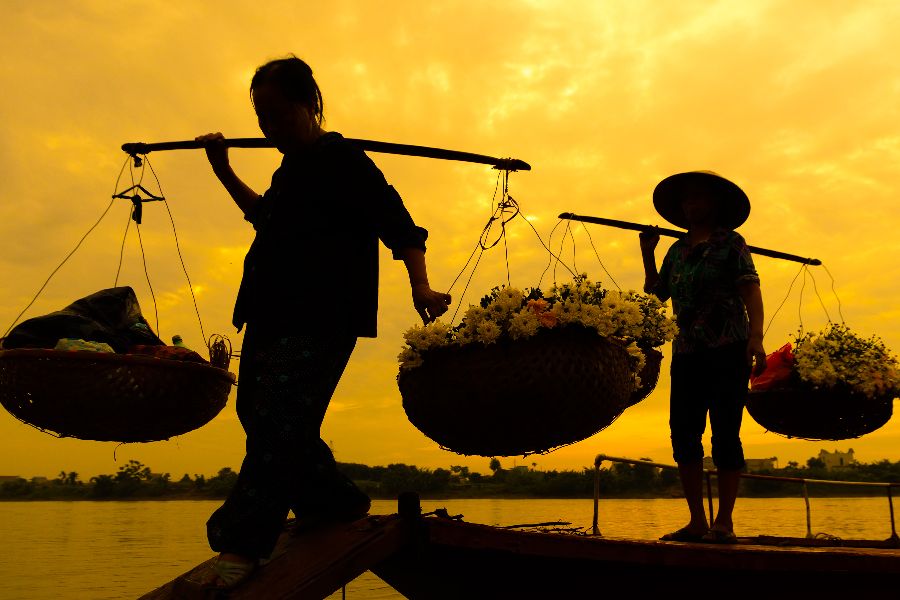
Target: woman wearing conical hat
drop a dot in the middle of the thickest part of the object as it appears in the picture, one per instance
(714, 287)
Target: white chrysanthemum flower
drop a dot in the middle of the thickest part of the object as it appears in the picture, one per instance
(488, 332)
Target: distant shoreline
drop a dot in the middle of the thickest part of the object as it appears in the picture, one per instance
(873, 493)
(136, 481)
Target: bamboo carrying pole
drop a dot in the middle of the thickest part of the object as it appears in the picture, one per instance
(680, 234)
(505, 164)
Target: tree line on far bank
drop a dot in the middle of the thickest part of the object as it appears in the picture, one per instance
(135, 480)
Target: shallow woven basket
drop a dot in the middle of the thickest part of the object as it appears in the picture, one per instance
(518, 397)
(649, 375)
(110, 397)
(802, 411)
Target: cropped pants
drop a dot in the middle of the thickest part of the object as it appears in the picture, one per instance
(712, 381)
(284, 387)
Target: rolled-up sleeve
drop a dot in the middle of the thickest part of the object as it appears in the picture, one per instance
(661, 288)
(742, 262)
(381, 204)
(395, 226)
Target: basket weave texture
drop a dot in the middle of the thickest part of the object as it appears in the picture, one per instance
(802, 411)
(649, 375)
(518, 397)
(110, 397)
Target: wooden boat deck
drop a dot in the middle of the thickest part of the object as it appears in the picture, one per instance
(439, 558)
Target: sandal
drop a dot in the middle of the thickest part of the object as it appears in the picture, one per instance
(719, 536)
(684, 535)
(221, 575)
(231, 574)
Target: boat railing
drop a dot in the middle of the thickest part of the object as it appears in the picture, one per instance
(710, 473)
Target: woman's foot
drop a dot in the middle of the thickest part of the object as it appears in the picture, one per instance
(688, 533)
(720, 536)
(226, 572)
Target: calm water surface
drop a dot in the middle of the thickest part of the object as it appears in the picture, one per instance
(114, 550)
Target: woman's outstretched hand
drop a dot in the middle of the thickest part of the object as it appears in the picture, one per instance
(429, 303)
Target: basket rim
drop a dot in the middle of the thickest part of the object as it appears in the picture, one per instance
(809, 389)
(115, 359)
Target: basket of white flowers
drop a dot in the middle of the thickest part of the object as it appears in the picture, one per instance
(524, 372)
(837, 386)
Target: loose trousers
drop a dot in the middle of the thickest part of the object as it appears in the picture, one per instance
(284, 386)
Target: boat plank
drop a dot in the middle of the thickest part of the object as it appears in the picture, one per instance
(312, 564)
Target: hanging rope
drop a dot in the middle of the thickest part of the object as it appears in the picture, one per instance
(134, 215)
(597, 254)
(833, 291)
(505, 210)
(804, 269)
(122, 249)
(69, 255)
(791, 287)
(178, 249)
(552, 255)
(816, 290)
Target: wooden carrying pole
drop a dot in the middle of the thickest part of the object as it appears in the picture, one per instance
(505, 164)
(680, 234)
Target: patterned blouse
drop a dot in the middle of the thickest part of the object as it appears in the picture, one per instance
(703, 284)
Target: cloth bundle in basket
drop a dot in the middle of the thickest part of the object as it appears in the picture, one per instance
(519, 397)
(105, 396)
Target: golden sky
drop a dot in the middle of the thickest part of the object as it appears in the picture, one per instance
(796, 101)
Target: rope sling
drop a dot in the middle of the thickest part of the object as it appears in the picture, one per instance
(135, 398)
(106, 396)
(520, 396)
(796, 409)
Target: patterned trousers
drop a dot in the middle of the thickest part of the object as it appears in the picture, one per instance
(284, 387)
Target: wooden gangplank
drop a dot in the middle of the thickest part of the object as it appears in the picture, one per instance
(309, 564)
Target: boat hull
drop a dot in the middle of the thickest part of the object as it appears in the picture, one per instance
(464, 560)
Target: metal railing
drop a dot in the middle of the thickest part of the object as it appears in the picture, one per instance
(711, 472)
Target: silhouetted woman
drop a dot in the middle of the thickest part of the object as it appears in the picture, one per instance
(714, 287)
(309, 289)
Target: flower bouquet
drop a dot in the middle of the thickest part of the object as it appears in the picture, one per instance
(832, 385)
(526, 371)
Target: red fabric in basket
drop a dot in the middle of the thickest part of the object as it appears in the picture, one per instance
(779, 366)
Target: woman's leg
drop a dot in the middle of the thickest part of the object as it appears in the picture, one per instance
(687, 421)
(729, 375)
(285, 386)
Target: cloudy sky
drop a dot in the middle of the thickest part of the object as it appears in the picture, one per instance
(796, 101)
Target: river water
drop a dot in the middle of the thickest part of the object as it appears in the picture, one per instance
(116, 550)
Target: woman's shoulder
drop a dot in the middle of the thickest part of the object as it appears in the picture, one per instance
(332, 143)
(345, 154)
(729, 237)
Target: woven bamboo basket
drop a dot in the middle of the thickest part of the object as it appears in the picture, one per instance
(801, 411)
(518, 397)
(649, 375)
(110, 397)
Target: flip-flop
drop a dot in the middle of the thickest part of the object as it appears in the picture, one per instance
(232, 574)
(221, 575)
(683, 535)
(718, 536)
